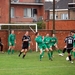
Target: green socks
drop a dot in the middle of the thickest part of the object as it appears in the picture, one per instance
(40, 57)
(51, 53)
(9, 51)
(42, 53)
(12, 51)
(59, 51)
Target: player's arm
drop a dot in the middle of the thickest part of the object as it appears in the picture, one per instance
(66, 40)
(56, 40)
(30, 40)
(25, 39)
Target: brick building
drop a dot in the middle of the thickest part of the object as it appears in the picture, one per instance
(27, 10)
(4, 11)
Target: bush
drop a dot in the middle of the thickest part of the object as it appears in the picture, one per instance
(41, 25)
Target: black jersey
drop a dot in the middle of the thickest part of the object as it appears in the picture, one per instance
(25, 38)
(69, 42)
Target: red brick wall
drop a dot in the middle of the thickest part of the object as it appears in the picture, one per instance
(19, 33)
(61, 25)
(4, 11)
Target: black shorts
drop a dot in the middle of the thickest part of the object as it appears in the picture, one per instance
(69, 50)
(25, 46)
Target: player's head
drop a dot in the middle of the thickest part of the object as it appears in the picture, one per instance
(36, 34)
(47, 34)
(72, 32)
(27, 33)
(53, 35)
(12, 31)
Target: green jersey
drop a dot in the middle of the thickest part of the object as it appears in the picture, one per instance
(40, 42)
(74, 42)
(53, 40)
(11, 38)
(47, 41)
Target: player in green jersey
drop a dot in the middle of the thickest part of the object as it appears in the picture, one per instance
(73, 34)
(41, 45)
(11, 42)
(47, 41)
(54, 42)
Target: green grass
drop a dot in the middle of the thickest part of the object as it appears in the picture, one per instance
(14, 65)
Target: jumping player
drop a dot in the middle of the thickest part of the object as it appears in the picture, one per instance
(25, 43)
(11, 42)
(41, 45)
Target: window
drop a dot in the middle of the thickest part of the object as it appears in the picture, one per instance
(30, 12)
(64, 16)
(51, 16)
(12, 13)
(27, 12)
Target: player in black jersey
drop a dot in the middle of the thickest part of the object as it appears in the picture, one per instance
(69, 45)
(25, 44)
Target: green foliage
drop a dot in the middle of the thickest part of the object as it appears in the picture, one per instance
(14, 65)
(41, 25)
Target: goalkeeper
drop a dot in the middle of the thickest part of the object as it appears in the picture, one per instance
(11, 42)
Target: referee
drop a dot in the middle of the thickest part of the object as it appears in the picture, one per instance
(25, 44)
(69, 45)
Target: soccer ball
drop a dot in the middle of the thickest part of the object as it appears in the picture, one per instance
(67, 58)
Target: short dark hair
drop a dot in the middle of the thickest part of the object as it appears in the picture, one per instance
(36, 33)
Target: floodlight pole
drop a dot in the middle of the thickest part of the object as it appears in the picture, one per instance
(53, 16)
(9, 15)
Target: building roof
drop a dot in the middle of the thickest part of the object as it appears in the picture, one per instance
(62, 4)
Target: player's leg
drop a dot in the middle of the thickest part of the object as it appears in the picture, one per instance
(47, 50)
(25, 51)
(9, 49)
(69, 55)
(12, 50)
(56, 46)
(41, 53)
(10, 46)
(21, 52)
(23, 48)
(51, 52)
(74, 53)
(63, 51)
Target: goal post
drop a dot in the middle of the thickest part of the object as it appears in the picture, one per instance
(21, 25)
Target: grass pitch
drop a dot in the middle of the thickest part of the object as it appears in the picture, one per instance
(30, 65)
